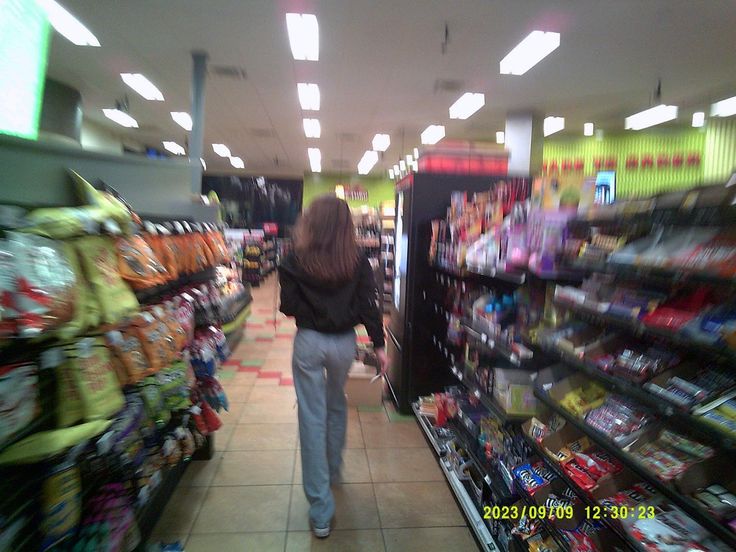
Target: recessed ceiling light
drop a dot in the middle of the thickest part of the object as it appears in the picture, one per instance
(433, 134)
(67, 25)
(174, 148)
(312, 128)
(143, 86)
(366, 163)
(308, 96)
(315, 159)
(183, 119)
(303, 31)
(650, 117)
(698, 119)
(221, 149)
(237, 162)
(467, 104)
(588, 129)
(391, 174)
(120, 117)
(381, 142)
(724, 108)
(530, 51)
(500, 137)
(552, 125)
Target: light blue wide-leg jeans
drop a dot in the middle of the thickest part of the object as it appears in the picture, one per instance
(320, 363)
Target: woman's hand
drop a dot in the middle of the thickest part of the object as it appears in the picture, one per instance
(382, 360)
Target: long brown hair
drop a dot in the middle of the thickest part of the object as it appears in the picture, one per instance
(324, 240)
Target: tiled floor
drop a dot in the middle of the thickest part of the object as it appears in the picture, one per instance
(249, 496)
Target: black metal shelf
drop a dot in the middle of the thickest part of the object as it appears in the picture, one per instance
(687, 504)
(638, 329)
(482, 275)
(489, 402)
(495, 345)
(680, 418)
(553, 466)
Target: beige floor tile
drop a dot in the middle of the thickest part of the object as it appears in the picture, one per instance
(238, 393)
(157, 539)
(199, 473)
(428, 539)
(355, 508)
(266, 382)
(266, 467)
(417, 505)
(222, 437)
(240, 379)
(393, 436)
(373, 417)
(354, 467)
(276, 364)
(263, 437)
(282, 412)
(232, 415)
(281, 354)
(244, 509)
(403, 464)
(237, 542)
(353, 415)
(272, 395)
(354, 438)
(181, 511)
(369, 540)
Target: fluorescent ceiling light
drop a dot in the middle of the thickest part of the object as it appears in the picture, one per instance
(402, 165)
(391, 173)
(308, 96)
(530, 51)
(143, 86)
(204, 165)
(724, 108)
(237, 162)
(698, 119)
(415, 166)
(67, 25)
(466, 105)
(588, 129)
(433, 134)
(416, 153)
(650, 117)
(303, 31)
(121, 118)
(409, 159)
(500, 137)
(221, 149)
(312, 128)
(315, 159)
(553, 124)
(397, 170)
(182, 119)
(174, 148)
(381, 142)
(366, 163)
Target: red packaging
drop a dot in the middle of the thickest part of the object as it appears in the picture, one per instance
(579, 475)
(605, 460)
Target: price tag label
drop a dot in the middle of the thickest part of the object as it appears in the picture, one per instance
(476, 393)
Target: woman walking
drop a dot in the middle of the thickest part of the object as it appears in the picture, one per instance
(327, 285)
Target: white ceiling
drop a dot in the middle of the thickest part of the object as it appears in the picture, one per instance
(380, 62)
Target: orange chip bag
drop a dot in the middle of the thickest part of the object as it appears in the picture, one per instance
(138, 264)
(128, 352)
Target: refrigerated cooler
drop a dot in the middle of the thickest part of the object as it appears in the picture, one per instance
(414, 366)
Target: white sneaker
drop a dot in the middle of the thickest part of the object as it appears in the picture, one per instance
(321, 532)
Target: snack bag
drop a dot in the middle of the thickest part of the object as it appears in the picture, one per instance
(153, 402)
(138, 264)
(88, 360)
(87, 309)
(99, 262)
(146, 328)
(128, 351)
(19, 402)
(61, 504)
(161, 247)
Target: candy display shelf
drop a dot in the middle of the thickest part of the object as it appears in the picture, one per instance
(584, 497)
(466, 503)
(687, 504)
(678, 417)
(496, 345)
(483, 274)
(489, 402)
(638, 329)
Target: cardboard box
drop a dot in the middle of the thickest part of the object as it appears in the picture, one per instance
(359, 389)
(514, 391)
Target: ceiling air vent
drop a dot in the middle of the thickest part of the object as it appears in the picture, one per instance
(348, 137)
(228, 72)
(261, 132)
(448, 85)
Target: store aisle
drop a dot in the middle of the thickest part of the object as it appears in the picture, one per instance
(249, 496)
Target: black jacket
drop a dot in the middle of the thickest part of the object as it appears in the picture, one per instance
(331, 308)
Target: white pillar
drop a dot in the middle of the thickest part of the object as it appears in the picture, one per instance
(523, 140)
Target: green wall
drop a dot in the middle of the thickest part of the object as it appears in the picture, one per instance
(720, 149)
(636, 181)
(379, 189)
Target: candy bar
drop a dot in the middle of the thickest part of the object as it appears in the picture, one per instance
(688, 446)
(608, 462)
(579, 475)
(544, 472)
(528, 479)
(538, 430)
(553, 502)
(590, 466)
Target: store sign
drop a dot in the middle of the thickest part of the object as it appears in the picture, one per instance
(633, 161)
(355, 192)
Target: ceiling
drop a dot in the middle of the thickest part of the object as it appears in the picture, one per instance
(382, 68)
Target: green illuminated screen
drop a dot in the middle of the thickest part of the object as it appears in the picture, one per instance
(24, 39)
